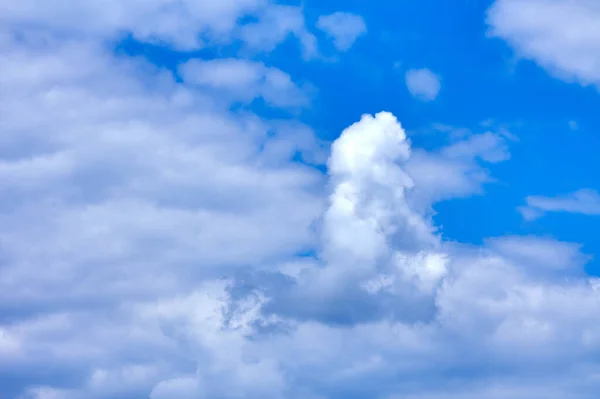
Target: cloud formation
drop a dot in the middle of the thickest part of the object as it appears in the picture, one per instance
(484, 317)
(560, 35)
(423, 84)
(274, 24)
(457, 169)
(584, 201)
(179, 23)
(156, 241)
(184, 25)
(244, 80)
(343, 27)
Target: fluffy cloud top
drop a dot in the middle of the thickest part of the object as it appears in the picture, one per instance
(456, 170)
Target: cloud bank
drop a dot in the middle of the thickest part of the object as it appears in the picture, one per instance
(156, 241)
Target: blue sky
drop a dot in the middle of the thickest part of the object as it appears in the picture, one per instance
(483, 81)
(259, 199)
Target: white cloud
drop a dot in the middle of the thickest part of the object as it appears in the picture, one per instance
(584, 201)
(186, 25)
(544, 253)
(245, 80)
(274, 25)
(492, 316)
(181, 23)
(456, 170)
(126, 197)
(560, 35)
(164, 159)
(423, 84)
(343, 27)
(132, 187)
(368, 202)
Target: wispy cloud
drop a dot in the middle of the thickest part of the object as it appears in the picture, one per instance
(423, 84)
(584, 201)
(343, 27)
(563, 38)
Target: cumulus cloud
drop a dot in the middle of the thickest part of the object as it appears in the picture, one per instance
(423, 84)
(157, 242)
(493, 314)
(584, 201)
(560, 35)
(343, 27)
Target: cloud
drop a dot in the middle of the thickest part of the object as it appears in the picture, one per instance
(573, 125)
(457, 169)
(275, 24)
(559, 35)
(584, 201)
(343, 27)
(244, 80)
(423, 84)
(370, 191)
(185, 25)
(180, 23)
(544, 253)
(157, 242)
(131, 186)
(494, 317)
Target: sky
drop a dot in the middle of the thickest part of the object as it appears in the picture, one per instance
(251, 199)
